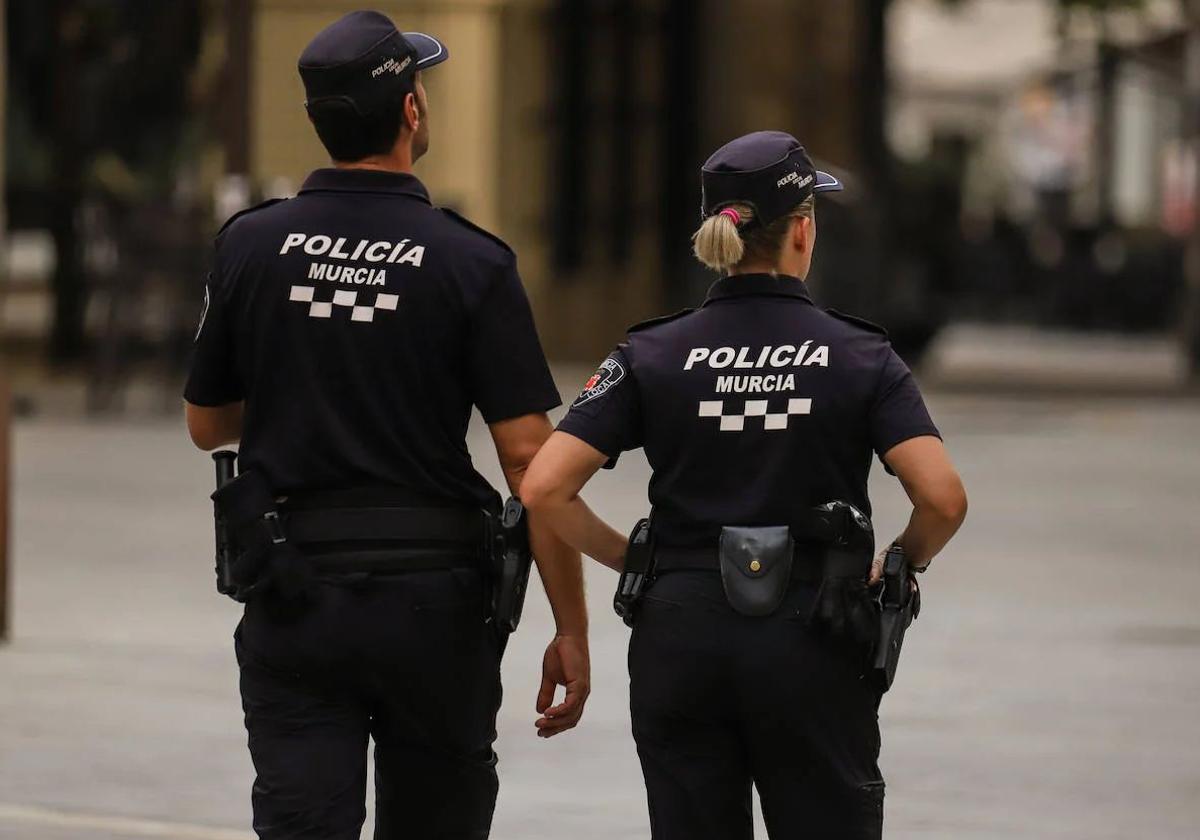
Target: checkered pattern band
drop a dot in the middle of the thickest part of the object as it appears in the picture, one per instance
(736, 422)
(347, 299)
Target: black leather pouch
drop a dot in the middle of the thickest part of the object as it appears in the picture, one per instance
(756, 567)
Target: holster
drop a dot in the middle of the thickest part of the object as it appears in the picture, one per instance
(511, 559)
(638, 571)
(756, 567)
(225, 463)
(262, 558)
(844, 606)
(900, 604)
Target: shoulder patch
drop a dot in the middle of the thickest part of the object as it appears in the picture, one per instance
(467, 223)
(662, 319)
(862, 323)
(609, 374)
(247, 211)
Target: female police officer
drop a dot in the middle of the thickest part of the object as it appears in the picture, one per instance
(752, 409)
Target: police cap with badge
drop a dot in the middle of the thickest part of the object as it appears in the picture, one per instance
(362, 61)
(768, 170)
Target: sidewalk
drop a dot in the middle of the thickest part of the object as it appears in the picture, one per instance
(1048, 691)
(999, 359)
(963, 358)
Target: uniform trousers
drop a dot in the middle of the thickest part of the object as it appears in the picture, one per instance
(722, 702)
(405, 660)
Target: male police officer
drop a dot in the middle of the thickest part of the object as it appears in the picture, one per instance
(347, 334)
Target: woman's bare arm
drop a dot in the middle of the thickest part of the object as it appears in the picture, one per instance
(551, 488)
(937, 494)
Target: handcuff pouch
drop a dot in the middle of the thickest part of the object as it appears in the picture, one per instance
(756, 567)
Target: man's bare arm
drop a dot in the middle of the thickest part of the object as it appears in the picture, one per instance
(517, 442)
(214, 427)
(561, 570)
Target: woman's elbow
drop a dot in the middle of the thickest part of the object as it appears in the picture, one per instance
(560, 470)
(951, 505)
(537, 490)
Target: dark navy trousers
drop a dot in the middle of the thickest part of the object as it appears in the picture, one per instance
(406, 660)
(722, 702)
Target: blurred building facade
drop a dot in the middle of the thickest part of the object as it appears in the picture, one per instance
(1004, 161)
(575, 129)
(1060, 140)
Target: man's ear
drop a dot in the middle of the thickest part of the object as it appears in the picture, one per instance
(412, 112)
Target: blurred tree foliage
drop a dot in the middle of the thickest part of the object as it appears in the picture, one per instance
(93, 80)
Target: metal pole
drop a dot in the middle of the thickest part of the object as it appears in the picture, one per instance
(5, 415)
(1191, 313)
(5, 399)
(239, 43)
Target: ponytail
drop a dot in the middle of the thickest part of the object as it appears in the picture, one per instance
(721, 245)
(718, 244)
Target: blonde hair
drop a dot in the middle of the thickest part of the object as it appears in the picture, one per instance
(721, 244)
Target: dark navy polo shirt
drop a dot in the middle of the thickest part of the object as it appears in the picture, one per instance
(360, 325)
(751, 408)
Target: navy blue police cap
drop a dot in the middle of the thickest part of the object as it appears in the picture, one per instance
(767, 170)
(364, 61)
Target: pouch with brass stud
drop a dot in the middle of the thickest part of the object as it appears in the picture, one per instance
(756, 567)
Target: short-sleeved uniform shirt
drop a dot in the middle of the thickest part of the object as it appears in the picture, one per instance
(751, 408)
(360, 325)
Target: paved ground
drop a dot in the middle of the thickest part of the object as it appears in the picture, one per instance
(1049, 690)
(991, 358)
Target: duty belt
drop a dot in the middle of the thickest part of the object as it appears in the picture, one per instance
(832, 541)
(387, 539)
(814, 531)
(806, 569)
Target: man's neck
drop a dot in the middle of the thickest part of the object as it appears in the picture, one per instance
(399, 160)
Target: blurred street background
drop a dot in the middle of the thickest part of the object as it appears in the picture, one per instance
(1021, 214)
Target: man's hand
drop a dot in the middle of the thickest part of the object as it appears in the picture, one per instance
(566, 663)
(877, 569)
(877, 566)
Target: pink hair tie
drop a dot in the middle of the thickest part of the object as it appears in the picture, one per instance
(734, 216)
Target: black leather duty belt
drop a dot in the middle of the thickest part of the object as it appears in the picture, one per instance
(805, 569)
(388, 539)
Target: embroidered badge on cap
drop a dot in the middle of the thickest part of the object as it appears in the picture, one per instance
(609, 374)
